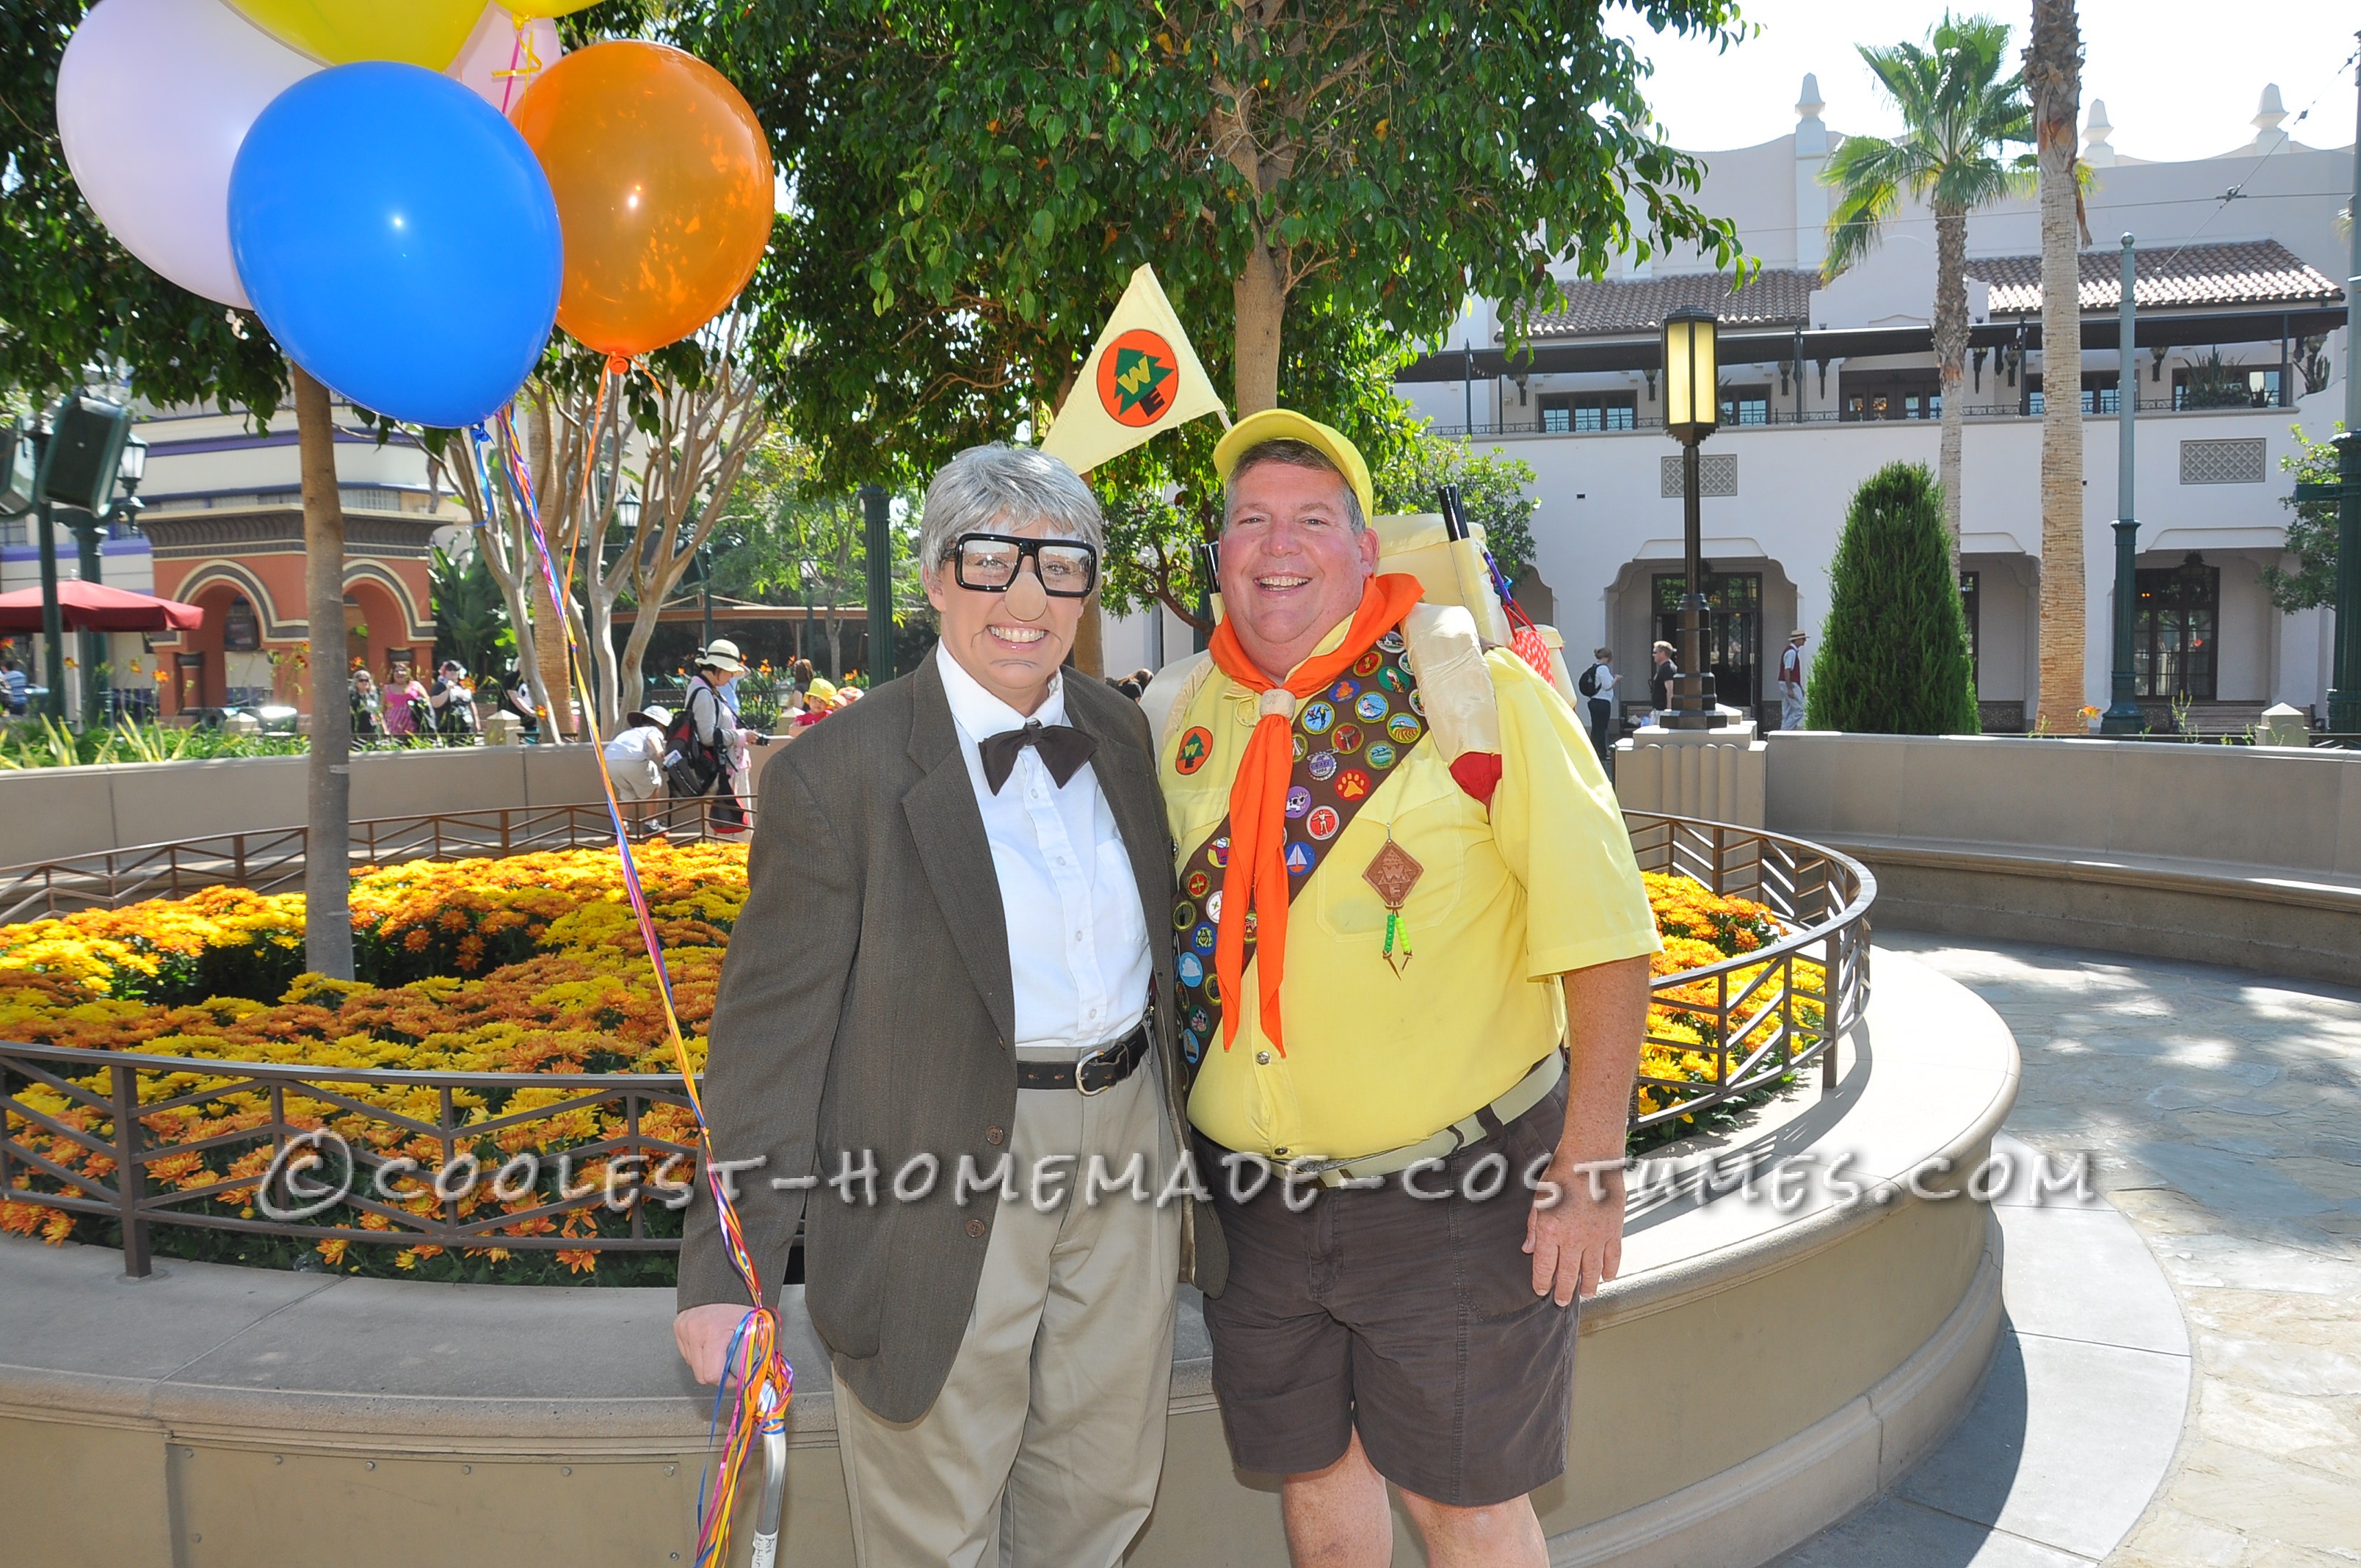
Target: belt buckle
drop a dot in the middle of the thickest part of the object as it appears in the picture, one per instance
(1083, 1065)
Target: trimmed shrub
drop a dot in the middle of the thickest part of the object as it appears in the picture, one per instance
(1894, 652)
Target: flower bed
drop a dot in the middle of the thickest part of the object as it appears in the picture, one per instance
(529, 964)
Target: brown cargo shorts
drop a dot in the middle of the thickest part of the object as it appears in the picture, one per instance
(1412, 1319)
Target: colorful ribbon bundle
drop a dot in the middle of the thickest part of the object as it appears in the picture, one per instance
(764, 1381)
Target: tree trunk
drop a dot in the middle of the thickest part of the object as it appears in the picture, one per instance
(1259, 296)
(1951, 354)
(327, 849)
(2053, 72)
(550, 626)
(1090, 641)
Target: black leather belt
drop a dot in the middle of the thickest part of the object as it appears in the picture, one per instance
(1093, 1072)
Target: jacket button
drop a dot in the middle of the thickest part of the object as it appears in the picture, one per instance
(992, 1136)
(975, 1227)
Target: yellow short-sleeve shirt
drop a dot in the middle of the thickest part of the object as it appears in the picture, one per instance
(1510, 899)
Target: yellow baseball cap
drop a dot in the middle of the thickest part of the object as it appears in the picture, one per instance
(1286, 425)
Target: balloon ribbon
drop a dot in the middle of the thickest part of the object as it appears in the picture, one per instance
(765, 1380)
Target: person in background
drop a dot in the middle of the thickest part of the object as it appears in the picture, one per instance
(1791, 681)
(452, 700)
(712, 712)
(1598, 688)
(407, 714)
(369, 706)
(1660, 679)
(800, 672)
(12, 686)
(518, 700)
(635, 763)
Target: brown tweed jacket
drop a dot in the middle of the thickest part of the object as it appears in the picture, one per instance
(867, 1004)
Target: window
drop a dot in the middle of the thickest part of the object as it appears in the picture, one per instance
(1734, 629)
(241, 630)
(1746, 405)
(1889, 394)
(2173, 652)
(1578, 412)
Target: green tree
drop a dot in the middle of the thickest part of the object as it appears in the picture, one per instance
(975, 181)
(1894, 651)
(2311, 532)
(1959, 115)
(471, 619)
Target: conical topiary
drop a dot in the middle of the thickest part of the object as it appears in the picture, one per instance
(1894, 651)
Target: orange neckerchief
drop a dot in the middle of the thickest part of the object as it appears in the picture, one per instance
(1255, 877)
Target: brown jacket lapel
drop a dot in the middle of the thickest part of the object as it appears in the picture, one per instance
(948, 829)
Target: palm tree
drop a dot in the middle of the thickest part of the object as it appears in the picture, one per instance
(2053, 72)
(1959, 115)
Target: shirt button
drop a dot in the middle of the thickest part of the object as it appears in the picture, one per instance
(992, 1135)
(975, 1227)
(1262, 1059)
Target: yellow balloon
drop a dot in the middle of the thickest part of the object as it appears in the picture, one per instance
(526, 10)
(423, 32)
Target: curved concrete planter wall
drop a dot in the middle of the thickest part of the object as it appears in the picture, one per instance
(2240, 855)
(1760, 1370)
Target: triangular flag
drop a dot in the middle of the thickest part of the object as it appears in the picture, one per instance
(1142, 379)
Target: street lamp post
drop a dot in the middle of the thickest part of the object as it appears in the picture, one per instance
(876, 515)
(2344, 669)
(1692, 410)
(81, 458)
(2123, 716)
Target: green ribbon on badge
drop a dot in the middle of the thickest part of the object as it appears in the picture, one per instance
(1393, 871)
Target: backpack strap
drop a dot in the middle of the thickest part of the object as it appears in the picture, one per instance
(1173, 689)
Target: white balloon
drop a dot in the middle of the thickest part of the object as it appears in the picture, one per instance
(154, 99)
(499, 47)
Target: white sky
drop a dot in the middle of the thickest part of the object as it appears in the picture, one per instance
(2180, 78)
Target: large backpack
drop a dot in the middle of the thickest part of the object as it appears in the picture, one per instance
(1588, 684)
(691, 767)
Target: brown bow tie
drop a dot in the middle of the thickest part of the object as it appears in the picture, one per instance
(1063, 750)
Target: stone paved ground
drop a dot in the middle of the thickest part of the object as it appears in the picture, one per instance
(2223, 1110)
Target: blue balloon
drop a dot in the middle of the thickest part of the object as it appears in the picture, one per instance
(398, 238)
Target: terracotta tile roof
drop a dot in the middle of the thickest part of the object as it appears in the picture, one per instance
(2243, 272)
(1775, 297)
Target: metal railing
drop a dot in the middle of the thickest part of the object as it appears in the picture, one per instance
(1763, 1016)
(557, 1161)
(272, 860)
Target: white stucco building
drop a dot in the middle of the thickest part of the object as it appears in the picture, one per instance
(1823, 383)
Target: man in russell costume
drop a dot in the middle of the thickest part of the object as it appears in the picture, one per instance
(1412, 976)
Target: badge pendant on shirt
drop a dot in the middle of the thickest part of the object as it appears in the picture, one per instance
(1393, 871)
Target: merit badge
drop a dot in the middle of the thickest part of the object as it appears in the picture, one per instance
(1322, 823)
(1299, 801)
(1189, 1048)
(1381, 756)
(1344, 691)
(1418, 705)
(1317, 717)
(1402, 728)
(1251, 925)
(1393, 679)
(1192, 970)
(1213, 907)
(1391, 641)
(1324, 765)
(1198, 883)
(1201, 939)
(1195, 747)
(1347, 740)
(1371, 707)
(1298, 740)
(1184, 915)
(1393, 872)
(1218, 851)
(1367, 663)
(1298, 859)
(1351, 784)
(1205, 1026)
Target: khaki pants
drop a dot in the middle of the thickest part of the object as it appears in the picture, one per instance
(1043, 1449)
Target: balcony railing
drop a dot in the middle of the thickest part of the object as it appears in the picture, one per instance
(2011, 410)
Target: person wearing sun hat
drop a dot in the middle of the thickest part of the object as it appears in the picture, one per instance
(1410, 962)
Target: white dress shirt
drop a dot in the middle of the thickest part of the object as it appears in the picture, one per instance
(1077, 940)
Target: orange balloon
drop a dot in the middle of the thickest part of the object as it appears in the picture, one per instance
(665, 189)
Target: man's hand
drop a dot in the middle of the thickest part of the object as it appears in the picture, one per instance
(703, 1335)
(1576, 1238)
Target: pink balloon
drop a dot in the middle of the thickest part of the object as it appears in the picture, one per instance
(499, 61)
(154, 99)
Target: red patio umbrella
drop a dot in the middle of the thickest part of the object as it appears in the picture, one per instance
(94, 607)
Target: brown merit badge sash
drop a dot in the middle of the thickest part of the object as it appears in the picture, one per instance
(1347, 739)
